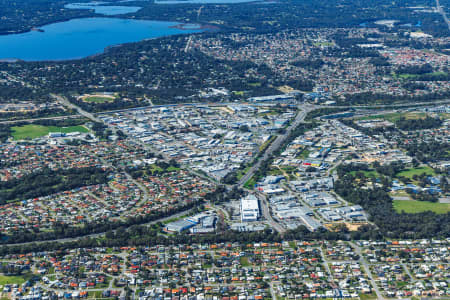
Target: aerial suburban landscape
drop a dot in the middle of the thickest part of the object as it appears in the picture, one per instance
(224, 149)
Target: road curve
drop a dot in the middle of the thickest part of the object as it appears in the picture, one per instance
(95, 235)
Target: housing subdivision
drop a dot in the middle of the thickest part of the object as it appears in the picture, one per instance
(232, 271)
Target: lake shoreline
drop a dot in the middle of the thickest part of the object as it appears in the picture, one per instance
(60, 41)
(203, 27)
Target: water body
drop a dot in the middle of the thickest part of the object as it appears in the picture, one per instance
(106, 10)
(79, 38)
(202, 1)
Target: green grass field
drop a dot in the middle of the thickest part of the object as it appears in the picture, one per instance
(172, 168)
(98, 99)
(445, 116)
(367, 296)
(416, 171)
(420, 206)
(14, 279)
(32, 131)
(411, 76)
(244, 261)
(95, 295)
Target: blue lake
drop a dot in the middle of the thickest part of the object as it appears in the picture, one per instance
(107, 10)
(202, 1)
(79, 38)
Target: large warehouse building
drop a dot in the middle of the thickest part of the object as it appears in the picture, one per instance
(249, 209)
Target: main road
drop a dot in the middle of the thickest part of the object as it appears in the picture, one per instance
(276, 144)
(266, 213)
(96, 235)
(43, 118)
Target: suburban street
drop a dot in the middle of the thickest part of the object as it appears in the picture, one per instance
(367, 270)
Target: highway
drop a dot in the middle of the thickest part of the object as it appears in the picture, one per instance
(84, 113)
(44, 118)
(442, 12)
(312, 107)
(62, 100)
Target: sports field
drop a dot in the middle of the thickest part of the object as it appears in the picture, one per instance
(32, 131)
(98, 99)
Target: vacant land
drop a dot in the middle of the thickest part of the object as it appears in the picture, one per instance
(367, 296)
(98, 98)
(31, 131)
(420, 206)
(393, 117)
(400, 193)
(445, 116)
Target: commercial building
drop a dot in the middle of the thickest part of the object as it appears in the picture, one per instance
(179, 226)
(249, 209)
